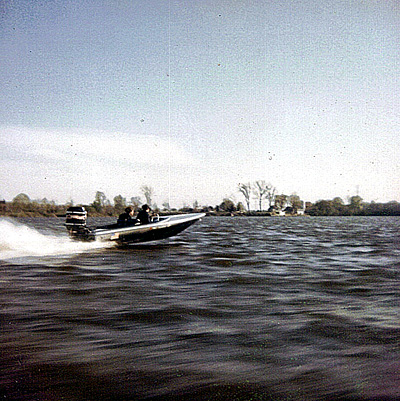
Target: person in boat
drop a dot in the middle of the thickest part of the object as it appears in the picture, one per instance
(126, 218)
(144, 215)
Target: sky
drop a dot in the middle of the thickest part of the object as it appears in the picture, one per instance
(194, 97)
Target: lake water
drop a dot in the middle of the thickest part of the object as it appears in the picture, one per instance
(231, 309)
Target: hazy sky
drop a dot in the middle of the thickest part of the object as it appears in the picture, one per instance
(193, 97)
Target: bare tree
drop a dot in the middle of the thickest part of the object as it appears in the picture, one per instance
(270, 195)
(148, 193)
(245, 190)
(135, 202)
(260, 191)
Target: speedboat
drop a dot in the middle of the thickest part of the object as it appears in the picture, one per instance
(160, 228)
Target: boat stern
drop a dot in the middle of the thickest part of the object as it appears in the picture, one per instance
(75, 221)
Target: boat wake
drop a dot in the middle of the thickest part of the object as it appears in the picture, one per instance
(18, 240)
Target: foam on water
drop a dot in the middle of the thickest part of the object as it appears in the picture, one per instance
(19, 240)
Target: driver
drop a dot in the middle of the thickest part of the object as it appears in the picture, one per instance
(144, 215)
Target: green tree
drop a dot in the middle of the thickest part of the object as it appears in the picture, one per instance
(240, 207)
(119, 204)
(100, 201)
(227, 206)
(21, 199)
(322, 208)
(21, 204)
(339, 206)
(356, 205)
(382, 209)
(295, 202)
(281, 201)
(338, 201)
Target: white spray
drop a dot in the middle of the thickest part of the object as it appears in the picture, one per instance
(18, 240)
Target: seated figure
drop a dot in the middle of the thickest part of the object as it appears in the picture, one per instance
(126, 218)
(144, 215)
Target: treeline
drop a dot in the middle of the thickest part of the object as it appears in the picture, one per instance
(23, 206)
(356, 207)
(268, 199)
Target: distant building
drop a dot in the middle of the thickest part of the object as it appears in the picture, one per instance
(276, 211)
(288, 210)
(293, 211)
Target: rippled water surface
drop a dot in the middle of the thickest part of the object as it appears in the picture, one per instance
(230, 309)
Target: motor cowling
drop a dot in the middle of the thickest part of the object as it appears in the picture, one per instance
(76, 216)
(75, 221)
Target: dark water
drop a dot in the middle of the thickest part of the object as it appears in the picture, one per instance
(231, 309)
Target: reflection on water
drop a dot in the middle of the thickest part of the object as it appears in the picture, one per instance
(231, 309)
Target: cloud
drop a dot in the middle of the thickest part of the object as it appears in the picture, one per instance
(75, 163)
(60, 164)
(91, 146)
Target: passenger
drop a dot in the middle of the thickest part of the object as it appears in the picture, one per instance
(144, 215)
(127, 217)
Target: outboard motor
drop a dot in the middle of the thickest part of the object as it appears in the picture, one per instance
(76, 223)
